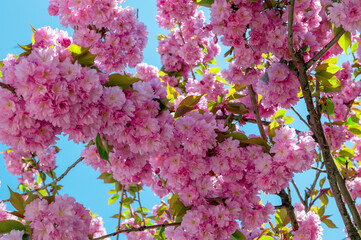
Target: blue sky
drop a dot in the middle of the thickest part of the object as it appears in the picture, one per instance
(82, 183)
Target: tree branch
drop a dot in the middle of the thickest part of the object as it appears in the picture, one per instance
(301, 118)
(291, 49)
(252, 95)
(337, 184)
(137, 229)
(289, 208)
(54, 182)
(7, 86)
(120, 211)
(324, 49)
(298, 192)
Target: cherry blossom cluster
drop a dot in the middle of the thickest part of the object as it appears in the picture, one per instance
(252, 30)
(114, 33)
(62, 219)
(280, 80)
(208, 85)
(189, 45)
(346, 13)
(309, 224)
(170, 11)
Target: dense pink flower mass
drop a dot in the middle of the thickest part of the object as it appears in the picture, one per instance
(309, 225)
(114, 33)
(280, 80)
(62, 219)
(180, 128)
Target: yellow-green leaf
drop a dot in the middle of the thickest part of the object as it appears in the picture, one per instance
(113, 198)
(345, 41)
(329, 223)
(117, 79)
(8, 225)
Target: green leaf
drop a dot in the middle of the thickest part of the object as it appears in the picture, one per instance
(353, 119)
(322, 181)
(27, 48)
(113, 198)
(237, 108)
(199, 72)
(328, 67)
(128, 201)
(355, 130)
(324, 201)
(117, 79)
(329, 223)
(82, 55)
(103, 152)
(288, 120)
(345, 41)
(329, 107)
(213, 61)
(176, 207)
(204, 3)
(186, 105)
(264, 237)
(212, 107)
(279, 114)
(354, 47)
(214, 70)
(8, 225)
(237, 235)
(257, 141)
(1, 65)
(107, 177)
(281, 218)
(347, 152)
(17, 201)
(172, 94)
(237, 136)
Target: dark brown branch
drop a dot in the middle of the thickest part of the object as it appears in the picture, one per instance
(324, 49)
(289, 208)
(337, 184)
(250, 120)
(7, 86)
(252, 95)
(137, 229)
(55, 181)
(290, 30)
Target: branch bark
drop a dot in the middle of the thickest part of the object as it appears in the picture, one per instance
(286, 202)
(334, 176)
(137, 229)
(7, 86)
(324, 49)
(252, 95)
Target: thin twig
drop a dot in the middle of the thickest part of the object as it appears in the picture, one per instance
(184, 42)
(298, 192)
(308, 194)
(252, 95)
(140, 205)
(301, 118)
(138, 229)
(54, 182)
(319, 170)
(324, 49)
(120, 211)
